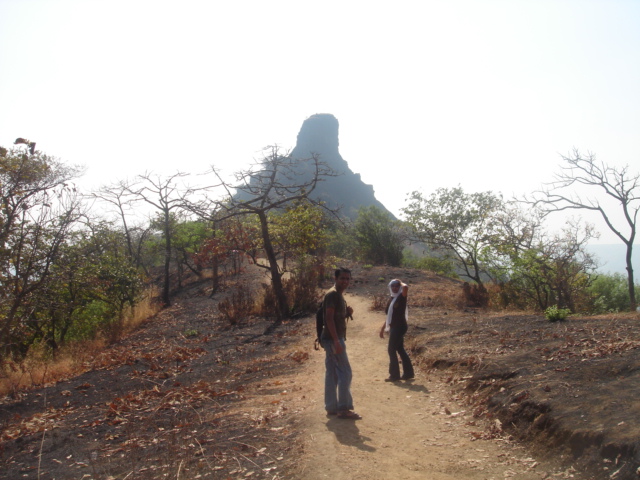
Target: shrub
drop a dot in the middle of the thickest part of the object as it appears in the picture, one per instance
(555, 314)
(610, 293)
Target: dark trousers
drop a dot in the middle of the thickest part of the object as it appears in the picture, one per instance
(396, 347)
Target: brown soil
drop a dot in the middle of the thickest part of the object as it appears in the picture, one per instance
(187, 396)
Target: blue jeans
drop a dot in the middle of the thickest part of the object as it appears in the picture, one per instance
(337, 378)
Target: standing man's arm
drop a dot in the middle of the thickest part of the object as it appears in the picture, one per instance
(331, 326)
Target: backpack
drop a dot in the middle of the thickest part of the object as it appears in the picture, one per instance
(319, 326)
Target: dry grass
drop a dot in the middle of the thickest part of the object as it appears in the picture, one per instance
(38, 369)
(441, 296)
(144, 310)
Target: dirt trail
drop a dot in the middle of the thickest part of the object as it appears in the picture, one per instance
(410, 430)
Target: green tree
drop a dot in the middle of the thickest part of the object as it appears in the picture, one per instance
(38, 209)
(188, 238)
(298, 230)
(517, 231)
(378, 237)
(93, 268)
(457, 224)
(340, 242)
(69, 287)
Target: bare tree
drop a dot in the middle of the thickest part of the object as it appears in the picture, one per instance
(166, 196)
(604, 183)
(277, 181)
(120, 198)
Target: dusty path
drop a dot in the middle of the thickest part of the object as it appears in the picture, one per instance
(410, 430)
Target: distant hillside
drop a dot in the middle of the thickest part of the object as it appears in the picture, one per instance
(611, 258)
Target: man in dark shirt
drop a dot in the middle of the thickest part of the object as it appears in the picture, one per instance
(337, 380)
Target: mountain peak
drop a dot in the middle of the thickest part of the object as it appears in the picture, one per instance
(319, 136)
(319, 133)
(347, 192)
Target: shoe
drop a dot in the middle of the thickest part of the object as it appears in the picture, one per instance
(392, 379)
(349, 415)
(406, 377)
(332, 412)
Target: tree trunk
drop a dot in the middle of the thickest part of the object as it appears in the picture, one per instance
(276, 276)
(167, 260)
(215, 275)
(632, 290)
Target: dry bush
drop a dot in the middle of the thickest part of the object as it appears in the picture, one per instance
(302, 291)
(268, 305)
(445, 295)
(114, 330)
(499, 298)
(475, 295)
(439, 296)
(14, 377)
(506, 295)
(240, 304)
(379, 302)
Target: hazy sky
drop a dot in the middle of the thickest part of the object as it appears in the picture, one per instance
(485, 94)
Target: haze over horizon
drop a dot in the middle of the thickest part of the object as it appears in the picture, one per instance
(485, 95)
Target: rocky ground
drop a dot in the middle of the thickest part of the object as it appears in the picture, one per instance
(498, 395)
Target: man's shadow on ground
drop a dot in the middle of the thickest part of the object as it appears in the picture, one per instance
(347, 433)
(412, 387)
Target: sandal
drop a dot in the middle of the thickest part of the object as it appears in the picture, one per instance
(349, 415)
